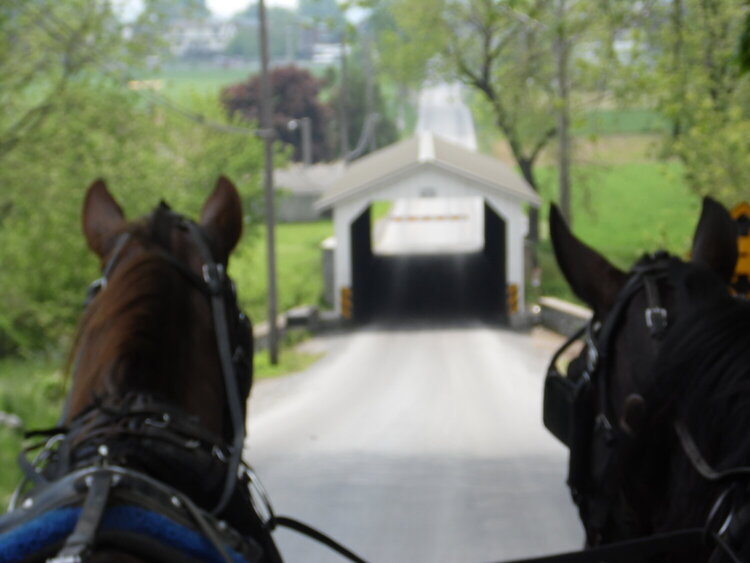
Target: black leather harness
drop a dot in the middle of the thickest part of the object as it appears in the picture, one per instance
(112, 452)
(576, 411)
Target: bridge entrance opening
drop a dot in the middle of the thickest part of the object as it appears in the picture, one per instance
(429, 259)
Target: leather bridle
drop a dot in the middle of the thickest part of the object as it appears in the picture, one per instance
(577, 406)
(75, 463)
(577, 411)
(234, 353)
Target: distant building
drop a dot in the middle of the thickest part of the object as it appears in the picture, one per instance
(299, 187)
(200, 38)
(326, 53)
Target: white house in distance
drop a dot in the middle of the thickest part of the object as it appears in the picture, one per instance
(204, 36)
(429, 166)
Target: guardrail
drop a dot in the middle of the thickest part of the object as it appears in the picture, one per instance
(306, 317)
(562, 316)
(555, 314)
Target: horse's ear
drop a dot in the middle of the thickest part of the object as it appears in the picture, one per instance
(715, 240)
(222, 215)
(591, 277)
(102, 218)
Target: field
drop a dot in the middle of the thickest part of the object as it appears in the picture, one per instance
(298, 267)
(622, 211)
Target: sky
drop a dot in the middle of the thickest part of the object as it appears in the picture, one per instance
(129, 9)
(227, 8)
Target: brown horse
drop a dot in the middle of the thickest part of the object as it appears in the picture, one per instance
(657, 419)
(154, 422)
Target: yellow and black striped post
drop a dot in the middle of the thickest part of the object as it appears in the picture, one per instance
(741, 279)
(511, 297)
(346, 302)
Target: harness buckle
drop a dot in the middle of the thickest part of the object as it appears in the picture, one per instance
(213, 275)
(259, 497)
(657, 319)
(94, 288)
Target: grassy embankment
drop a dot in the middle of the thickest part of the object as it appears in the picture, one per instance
(32, 390)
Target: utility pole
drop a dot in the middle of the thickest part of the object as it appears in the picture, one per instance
(306, 141)
(304, 124)
(564, 117)
(344, 103)
(267, 133)
(369, 89)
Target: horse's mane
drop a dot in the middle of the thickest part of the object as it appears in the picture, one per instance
(137, 329)
(702, 377)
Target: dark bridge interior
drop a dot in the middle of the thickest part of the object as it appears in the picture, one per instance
(429, 287)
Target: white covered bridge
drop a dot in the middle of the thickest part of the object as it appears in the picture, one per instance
(429, 178)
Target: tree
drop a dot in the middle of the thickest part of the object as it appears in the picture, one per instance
(505, 51)
(72, 118)
(51, 45)
(283, 34)
(494, 53)
(295, 95)
(326, 12)
(697, 84)
(386, 131)
(184, 9)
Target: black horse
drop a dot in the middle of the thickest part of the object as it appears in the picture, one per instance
(655, 410)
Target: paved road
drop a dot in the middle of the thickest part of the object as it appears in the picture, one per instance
(442, 111)
(420, 441)
(430, 225)
(436, 225)
(417, 443)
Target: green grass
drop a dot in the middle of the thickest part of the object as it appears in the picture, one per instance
(299, 268)
(291, 358)
(180, 81)
(622, 211)
(621, 121)
(379, 210)
(34, 391)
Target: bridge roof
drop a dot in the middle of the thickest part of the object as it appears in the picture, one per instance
(425, 149)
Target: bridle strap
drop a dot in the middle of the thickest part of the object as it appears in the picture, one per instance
(78, 543)
(101, 282)
(214, 277)
(705, 470)
(213, 283)
(699, 463)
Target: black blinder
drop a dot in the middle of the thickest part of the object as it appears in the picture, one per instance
(567, 400)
